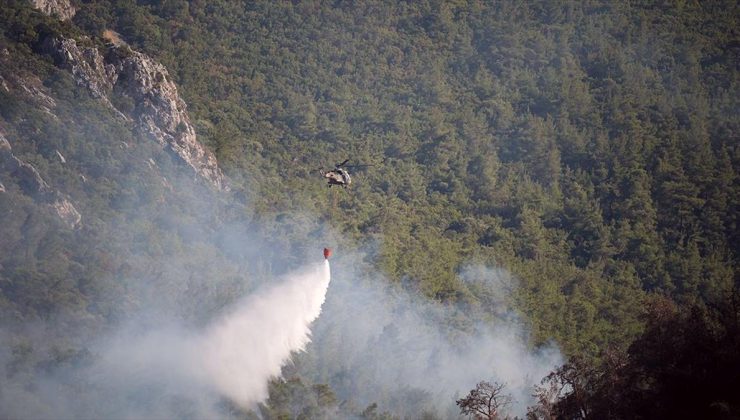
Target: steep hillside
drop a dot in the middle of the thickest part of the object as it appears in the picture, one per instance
(589, 148)
(166, 155)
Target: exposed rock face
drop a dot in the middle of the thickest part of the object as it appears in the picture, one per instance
(67, 212)
(85, 63)
(159, 110)
(61, 9)
(34, 185)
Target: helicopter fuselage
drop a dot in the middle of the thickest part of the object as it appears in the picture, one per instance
(338, 177)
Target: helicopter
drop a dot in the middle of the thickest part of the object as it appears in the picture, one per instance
(340, 175)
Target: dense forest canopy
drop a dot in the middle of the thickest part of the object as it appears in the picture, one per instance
(588, 148)
(600, 138)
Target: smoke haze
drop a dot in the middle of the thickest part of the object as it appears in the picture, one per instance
(375, 343)
(408, 354)
(172, 371)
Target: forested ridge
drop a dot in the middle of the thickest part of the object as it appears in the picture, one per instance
(588, 148)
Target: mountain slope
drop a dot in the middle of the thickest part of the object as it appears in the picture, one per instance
(590, 149)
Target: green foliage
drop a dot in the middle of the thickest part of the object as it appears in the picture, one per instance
(293, 399)
(589, 148)
(684, 364)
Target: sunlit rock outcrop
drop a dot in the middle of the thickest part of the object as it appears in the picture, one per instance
(158, 110)
(85, 63)
(63, 9)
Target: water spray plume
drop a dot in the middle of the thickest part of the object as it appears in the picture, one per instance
(234, 357)
(249, 346)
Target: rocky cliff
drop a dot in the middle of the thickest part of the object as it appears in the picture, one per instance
(85, 63)
(158, 112)
(32, 184)
(61, 9)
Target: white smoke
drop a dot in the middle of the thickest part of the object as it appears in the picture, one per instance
(408, 354)
(171, 371)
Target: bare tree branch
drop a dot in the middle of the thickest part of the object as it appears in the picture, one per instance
(485, 401)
